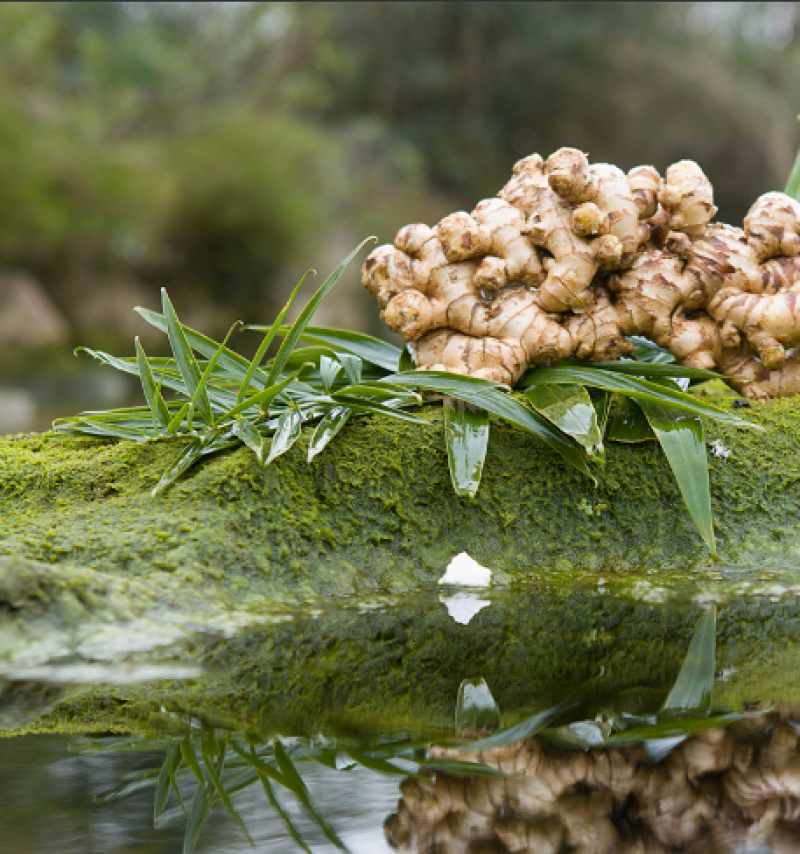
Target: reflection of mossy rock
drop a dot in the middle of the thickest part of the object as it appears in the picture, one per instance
(375, 512)
(400, 666)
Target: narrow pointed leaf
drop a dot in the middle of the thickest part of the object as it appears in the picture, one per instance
(187, 458)
(190, 758)
(231, 363)
(372, 350)
(631, 387)
(287, 433)
(251, 437)
(295, 782)
(655, 369)
(184, 358)
(362, 404)
(352, 366)
(171, 762)
(628, 424)
(214, 763)
(793, 183)
(296, 329)
(695, 683)
(264, 397)
(152, 392)
(328, 371)
(332, 422)
(466, 435)
(198, 813)
(271, 331)
(570, 408)
(681, 438)
(285, 817)
(406, 360)
(201, 385)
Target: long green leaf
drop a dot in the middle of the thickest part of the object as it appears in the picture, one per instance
(187, 458)
(204, 379)
(214, 760)
(466, 435)
(287, 433)
(695, 683)
(264, 397)
(269, 337)
(198, 813)
(296, 329)
(152, 392)
(296, 784)
(682, 440)
(332, 422)
(570, 408)
(187, 364)
(654, 369)
(285, 817)
(632, 387)
(168, 768)
(525, 729)
(234, 365)
(372, 350)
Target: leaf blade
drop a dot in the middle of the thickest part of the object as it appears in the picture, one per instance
(466, 432)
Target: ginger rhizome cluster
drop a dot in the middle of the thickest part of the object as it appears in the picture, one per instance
(573, 258)
(723, 790)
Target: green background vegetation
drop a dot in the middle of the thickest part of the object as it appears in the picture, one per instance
(219, 150)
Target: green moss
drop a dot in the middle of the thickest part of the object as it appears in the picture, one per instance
(376, 511)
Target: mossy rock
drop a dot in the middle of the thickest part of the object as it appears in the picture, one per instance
(376, 512)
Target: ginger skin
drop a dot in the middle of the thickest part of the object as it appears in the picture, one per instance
(572, 258)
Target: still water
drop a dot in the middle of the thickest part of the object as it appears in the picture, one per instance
(541, 721)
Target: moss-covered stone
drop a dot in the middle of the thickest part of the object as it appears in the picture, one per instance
(376, 511)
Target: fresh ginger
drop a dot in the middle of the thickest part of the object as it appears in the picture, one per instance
(573, 258)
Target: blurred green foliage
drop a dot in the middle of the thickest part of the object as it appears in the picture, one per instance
(218, 149)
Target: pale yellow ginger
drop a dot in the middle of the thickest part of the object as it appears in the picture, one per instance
(573, 258)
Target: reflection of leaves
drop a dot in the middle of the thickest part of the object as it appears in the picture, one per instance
(695, 682)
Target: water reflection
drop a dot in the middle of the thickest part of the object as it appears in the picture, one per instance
(602, 766)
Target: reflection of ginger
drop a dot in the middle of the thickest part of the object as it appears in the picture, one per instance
(736, 786)
(574, 257)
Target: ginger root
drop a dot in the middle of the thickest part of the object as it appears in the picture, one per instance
(573, 258)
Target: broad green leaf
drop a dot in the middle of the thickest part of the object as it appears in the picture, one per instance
(105, 428)
(332, 422)
(675, 726)
(295, 782)
(251, 437)
(287, 433)
(628, 424)
(372, 350)
(152, 392)
(168, 768)
(441, 381)
(682, 440)
(793, 183)
(271, 331)
(695, 683)
(631, 387)
(466, 435)
(570, 408)
(187, 364)
(296, 329)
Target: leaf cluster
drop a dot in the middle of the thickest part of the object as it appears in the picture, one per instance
(323, 377)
